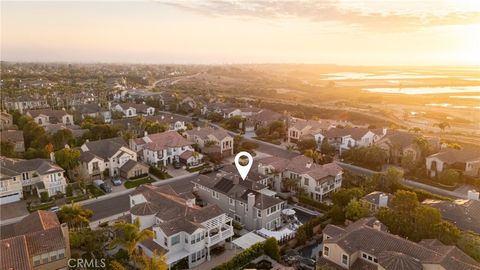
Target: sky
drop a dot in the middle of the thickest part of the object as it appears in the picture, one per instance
(344, 32)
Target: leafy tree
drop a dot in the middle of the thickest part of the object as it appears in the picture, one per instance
(303, 145)
(44, 196)
(426, 217)
(404, 201)
(117, 115)
(277, 127)
(272, 249)
(408, 162)
(129, 235)
(154, 127)
(355, 210)
(75, 216)
(343, 196)
(391, 180)
(7, 149)
(215, 117)
(261, 131)
(156, 262)
(314, 155)
(326, 148)
(67, 158)
(337, 214)
(233, 123)
(61, 138)
(289, 183)
(449, 177)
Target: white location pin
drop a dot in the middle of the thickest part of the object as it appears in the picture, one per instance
(243, 170)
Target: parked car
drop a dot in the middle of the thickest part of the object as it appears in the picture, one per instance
(218, 166)
(105, 187)
(54, 209)
(98, 182)
(206, 170)
(116, 181)
(177, 164)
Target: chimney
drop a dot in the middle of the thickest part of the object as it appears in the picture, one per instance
(250, 201)
(473, 195)
(377, 225)
(190, 202)
(198, 128)
(383, 200)
(384, 131)
(308, 165)
(163, 117)
(52, 156)
(236, 179)
(145, 133)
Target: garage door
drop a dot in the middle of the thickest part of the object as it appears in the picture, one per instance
(10, 198)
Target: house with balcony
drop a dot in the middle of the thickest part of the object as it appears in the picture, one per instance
(248, 202)
(32, 176)
(318, 181)
(366, 244)
(466, 160)
(37, 242)
(15, 137)
(346, 138)
(300, 129)
(134, 109)
(211, 140)
(174, 122)
(160, 149)
(108, 154)
(46, 117)
(182, 229)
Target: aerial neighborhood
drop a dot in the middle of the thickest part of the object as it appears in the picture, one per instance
(157, 162)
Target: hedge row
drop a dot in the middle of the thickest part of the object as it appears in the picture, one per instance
(243, 258)
(422, 194)
(316, 204)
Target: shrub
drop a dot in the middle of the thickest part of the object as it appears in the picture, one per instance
(44, 196)
(243, 258)
(69, 191)
(316, 204)
(272, 249)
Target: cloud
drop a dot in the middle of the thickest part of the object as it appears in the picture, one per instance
(331, 11)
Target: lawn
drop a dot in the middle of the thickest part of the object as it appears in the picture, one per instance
(138, 182)
(196, 169)
(94, 190)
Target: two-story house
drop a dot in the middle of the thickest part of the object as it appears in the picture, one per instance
(346, 138)
(318, 181)
(182, 229)
(211, 140)
(18, 176)
(92, 110)
(243, 200)
(108, 154)
(366, 244)
(398, 144)
(24, 103)
(37, 242)
(134, 109)
(48, 116)
(161, 148)
(15, 137)
(465, 160)
(300, 129)
(174, 122)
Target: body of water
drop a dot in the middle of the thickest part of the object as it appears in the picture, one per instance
(425, 90)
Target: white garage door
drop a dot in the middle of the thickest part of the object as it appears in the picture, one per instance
(10, 198)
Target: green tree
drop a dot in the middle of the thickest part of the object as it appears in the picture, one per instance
(7, 149)
(449, 177)
(61, 138)
(315, 155)
(75, 216)
(355, 210)
(303, 145)
(215, 117)
(261, 131)
(337, 214)
(129, 236)
(404, 202)
(343, 196)
(279, 128)
(326, 148)
(67, 158)
(156, 262)
(408, 162)
(272, 249)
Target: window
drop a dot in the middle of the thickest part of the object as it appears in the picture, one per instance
(165, 241)
(344, 259)
(231, 201)
(61, 254)
(175, 240)
(305, 181)
(364, 255)
(215, 194)
(259, 213)
(36, 260)
(14, 178)
(325, 251)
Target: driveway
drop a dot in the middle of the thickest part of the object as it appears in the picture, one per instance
(12, 210)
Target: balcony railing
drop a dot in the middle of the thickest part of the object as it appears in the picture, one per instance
(222, 235)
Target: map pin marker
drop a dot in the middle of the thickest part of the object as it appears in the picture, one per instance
(243, 170)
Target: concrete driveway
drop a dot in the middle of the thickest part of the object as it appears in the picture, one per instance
(12, 210)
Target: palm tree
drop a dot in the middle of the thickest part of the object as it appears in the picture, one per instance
(313, 154)
(442, 125)
(289, 183)
(129, 235)
(75, 216)
(156, 262)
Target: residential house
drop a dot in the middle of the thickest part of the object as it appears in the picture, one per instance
(32, 176)
(133, 169)
(466, 160)
(108, 154)
(318, 181)
(77, 131)
(39, 242)
(211, 140)
(40, 83)
(15, 137)
(175, 122)
(24, 103)
(6, 120)
(191, 158)
(246, 201)
(376, 200)
(48, 116)
(161, 148)
(134, 109)
(93, 110)
(398, 144)
(263, 119)
(182, 229)
(366, 244)
(465, 214)
(299, 129)
(346, 138)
